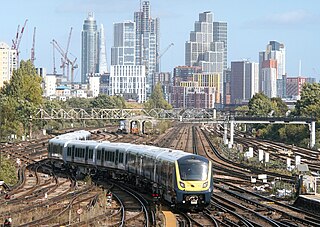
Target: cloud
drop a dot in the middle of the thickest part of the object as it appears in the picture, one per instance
(286, 20)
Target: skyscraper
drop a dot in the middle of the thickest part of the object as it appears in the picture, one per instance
(123, 49)
(90, 48)
(207, 49)
(274, 51)
(147, 42)
(244, 80)
(269, 73)
(220, 34)
(126, 77)
(103, 66)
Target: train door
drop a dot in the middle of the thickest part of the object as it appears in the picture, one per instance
(72, 153)
(116, 157)
(86, 154)
(102, 156)
(140, 163)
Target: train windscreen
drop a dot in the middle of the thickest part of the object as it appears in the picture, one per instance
(193, 169)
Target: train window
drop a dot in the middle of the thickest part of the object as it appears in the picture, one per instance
(90, 154)
(112, 156)
(98, 154)
(108, 155)
(121, 158)
(69, 151)
(82, 155)
(193, 170)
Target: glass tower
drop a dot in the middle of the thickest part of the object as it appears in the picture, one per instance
(147, 42)
(90, 51)
(123, 50)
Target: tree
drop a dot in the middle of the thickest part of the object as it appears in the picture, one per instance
(7, 171)
(309, 104)
(157, 100)
(20, 98)
(259, 105)
(280, 108)
(104, 101)
(83, 103)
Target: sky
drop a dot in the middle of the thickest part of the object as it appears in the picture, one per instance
(251, 25)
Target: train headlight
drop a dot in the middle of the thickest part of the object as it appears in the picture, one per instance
(182, 184)
(205, 184)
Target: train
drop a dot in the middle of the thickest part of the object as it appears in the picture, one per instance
(182, 179)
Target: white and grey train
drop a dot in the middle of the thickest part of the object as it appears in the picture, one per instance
(180, 178)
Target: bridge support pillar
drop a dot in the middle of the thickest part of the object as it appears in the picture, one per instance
(225, 135)
(231, 131)
(312, 134)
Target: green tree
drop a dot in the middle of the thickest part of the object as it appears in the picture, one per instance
(157, 100)
(104, 101)
(20, 98)
(78, 103)
(280, 108)
(7, 171)
(260, 105)
(309, 104)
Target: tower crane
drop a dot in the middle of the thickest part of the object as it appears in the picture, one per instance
(64, 56)
(33, 46)
(163, 52)
(17, 40)
(65, 59)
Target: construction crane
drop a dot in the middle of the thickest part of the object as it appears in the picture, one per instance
(163, 52)
(64, 56)
(16, 42)
(65, 60)
(33, 46)
(54, 60)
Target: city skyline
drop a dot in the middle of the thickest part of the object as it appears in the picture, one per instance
(293, 23)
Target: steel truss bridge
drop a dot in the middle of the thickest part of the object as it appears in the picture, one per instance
(209, 116)
(119, 114)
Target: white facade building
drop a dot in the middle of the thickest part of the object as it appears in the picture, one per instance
(94, 86)
(275, 51)
(49, 88)
(269, 82)
(128, 80)
(8, 62)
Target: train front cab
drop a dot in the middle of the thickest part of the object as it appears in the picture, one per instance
(194, 183)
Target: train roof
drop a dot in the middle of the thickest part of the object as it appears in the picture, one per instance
(159, 153)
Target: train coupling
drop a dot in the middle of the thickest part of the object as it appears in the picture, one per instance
(193, 199)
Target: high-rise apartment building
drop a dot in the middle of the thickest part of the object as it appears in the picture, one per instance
(220, 34)
(90, 48)
(269, 73)
(147, 42)
(8, 62)
(244, 80)
(274, 51)
(123, 49)
(126, 77)
(206, 49)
